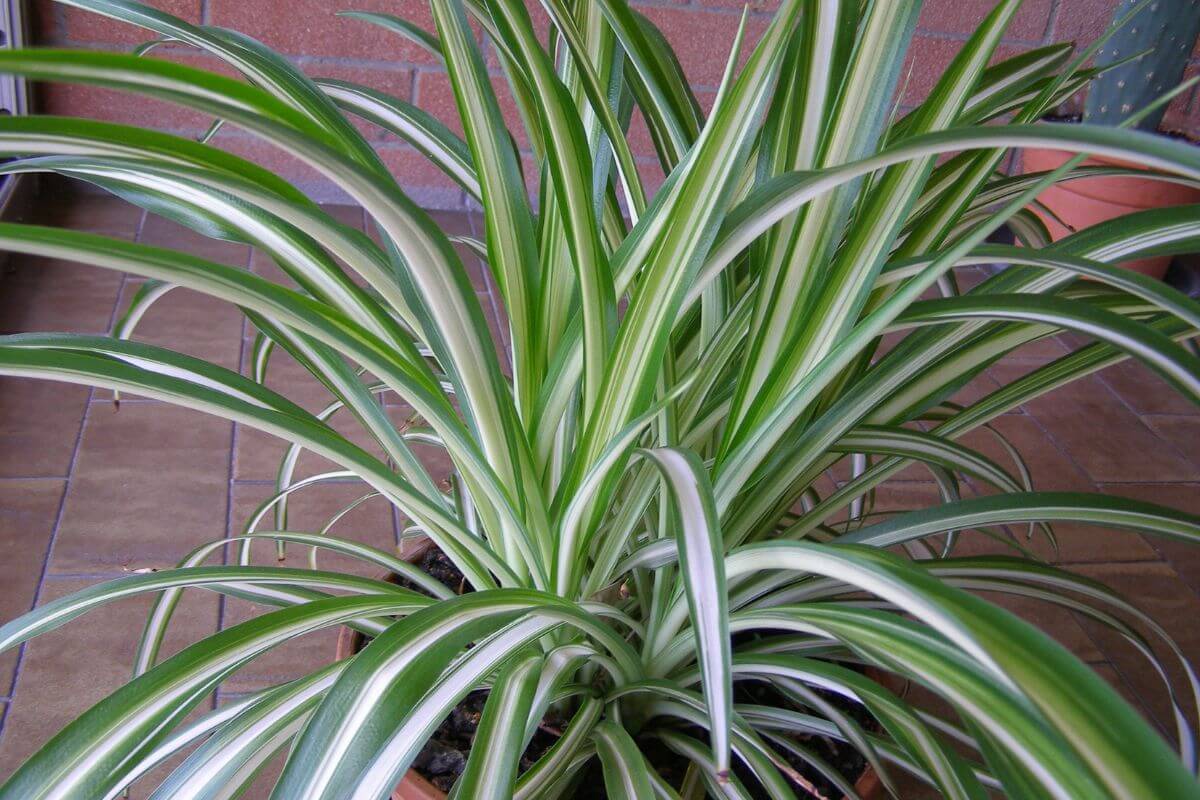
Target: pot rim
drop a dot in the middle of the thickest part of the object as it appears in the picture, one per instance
(415, 787)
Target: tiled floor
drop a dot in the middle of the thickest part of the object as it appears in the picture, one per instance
(89, 491)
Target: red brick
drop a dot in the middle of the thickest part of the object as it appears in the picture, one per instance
(1183, 115)
(312, 28)
(396, 82)
(926, 61)
(425, 183)
(640, 141)
(964, 16)
(701, 31)
(250, 147)
(541, 26)
(756, 6)
(1082, 21)
(129, 108)
(435, 94)
(702, 39)
(85, 26)
(43, 21)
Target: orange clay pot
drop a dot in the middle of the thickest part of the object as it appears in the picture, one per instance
(349, 642)
(1087, 201)
(414, 787)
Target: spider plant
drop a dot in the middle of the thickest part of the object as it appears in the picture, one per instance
(638, 507)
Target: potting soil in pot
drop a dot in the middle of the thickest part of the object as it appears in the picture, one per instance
(445, 754)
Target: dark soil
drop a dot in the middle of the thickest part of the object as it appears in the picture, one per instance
(1074, 119)
(435, 564)
(844, 758)
(444, 756)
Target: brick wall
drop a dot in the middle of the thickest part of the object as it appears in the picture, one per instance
(327, 46)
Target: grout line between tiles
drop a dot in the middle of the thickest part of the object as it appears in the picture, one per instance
(93, 575)
(1141, 421)
(19, 478)
(62, 500)
(1116, 561)
(231, 483)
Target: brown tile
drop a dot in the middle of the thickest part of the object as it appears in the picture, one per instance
(163, 232)
(39, 423)
(286, 376)
(435, 460)
(67, 671)
(896, 497)
(1103, 436)
(1158, 591)
(1057, 622)
(976, 389)
(1182, 433)
(1145, 391)
(309, 510)
(28, 510)
(1050, 470)
(42, 294)
(264, 781)
(1118, 682)
(257, 454)
(1183, 556)
(190, 323)
(66, 204)
(1039, 351)
(345, 214)
(150, 484)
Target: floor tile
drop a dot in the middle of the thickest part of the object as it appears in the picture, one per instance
(258, 453)
(1055, 621)
(1181, 433)
(39, 425)
(1157, 590)
(190, 323)
(152, 481)
(150, 484)
(53, 690)
(309, 510)
(1145, 391)
(28, 511)
(1118, 682)
(98, 212)
(163, 232)
(1183, 556)
(312, 508)
(1127, 451)
(48, 295)
(1051, 470)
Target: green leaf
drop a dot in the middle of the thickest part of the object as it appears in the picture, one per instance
(626, 774)
(496, 749)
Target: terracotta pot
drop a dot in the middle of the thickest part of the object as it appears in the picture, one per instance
(869, 786)
(349, 642)
(415, 787)
(1087, 201)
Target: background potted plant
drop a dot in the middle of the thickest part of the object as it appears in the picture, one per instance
(648, 553)
(1145, 56)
